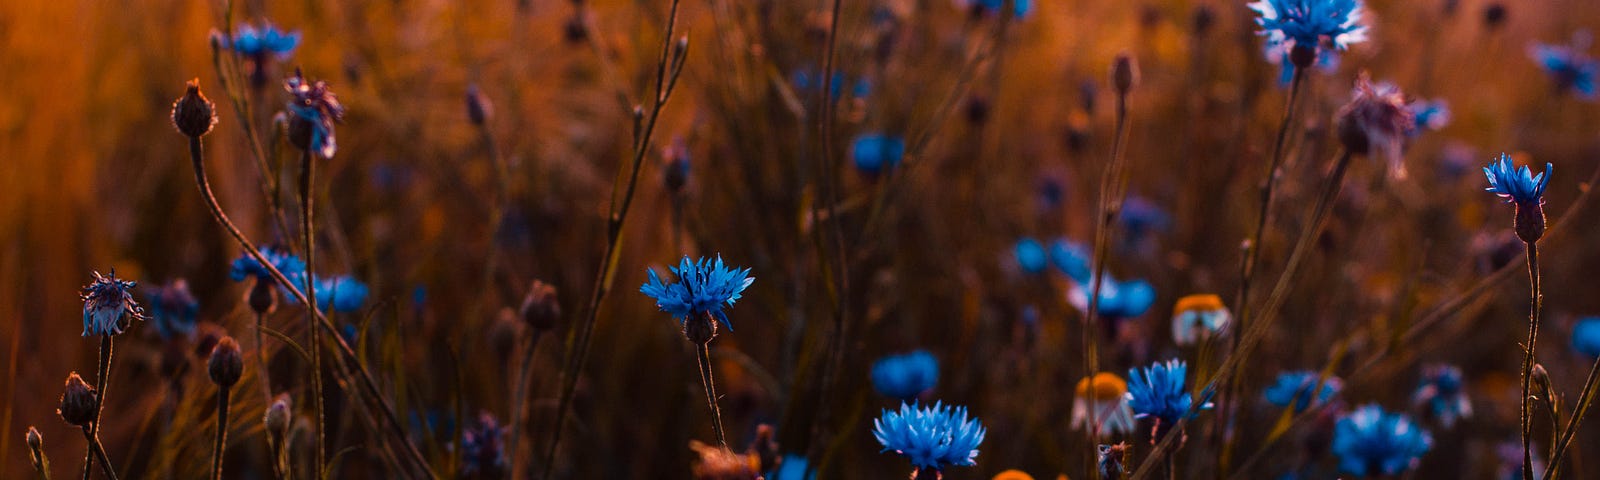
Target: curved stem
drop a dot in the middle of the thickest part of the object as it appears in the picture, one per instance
(1528, 359)
(307, 176)
(98, 451)
(222, 433)
(703, 353)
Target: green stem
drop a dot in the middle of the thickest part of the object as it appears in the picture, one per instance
(1528, 359)
(222, 433)
(307, 177)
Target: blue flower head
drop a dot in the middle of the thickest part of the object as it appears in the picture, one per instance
(341, 294)
(315, 109)
(246, 266)
(1586, 336)
(108, 305)
(1312, 23)
(1141, 217)
(1296, 388)
(1518, 185)
(1030, 255)
(1071, 258)
(875, 153)
(1444, 393)
(904, 377)
(931, 437)
(173, 309)
(268, 39)
(1019, 8)
(703, 287)
(792, 467)
(1370, 441)
(1430, 115)
(1569, 67)
(1160, 391)
(483, 449)
(1118, 300)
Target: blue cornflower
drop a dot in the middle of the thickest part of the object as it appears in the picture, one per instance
(792, 467)
(1444, 393)
(1160, 391)
(315, 109)
(1586, 336)
(1296, 388)
(875, 153)
(1310, 23)
(482, 449)
(904, 377)
(808, 79)
(268, 39)
(931, 437)
(1569, 67)
(1518, 185)
(342, 293)
(1118, 300)
(1071, 258)
(246, 266)
(108, 305)
(1031, 255)
(1019, 8)
(173, 309)
(1429, 114)
(703, 288)
(1370, 441)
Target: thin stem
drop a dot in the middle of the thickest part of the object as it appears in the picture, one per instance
(102, 380)
(1528, 359)
(307, 176)
(261, 357)
(98, 451)
(222, 433)
(359, 370)
(1585, 397)
(519, 403)
(1112, 190)
(703, 353)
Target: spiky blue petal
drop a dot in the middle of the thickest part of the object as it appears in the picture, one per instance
(1518, 185)
(931, 437)
(703, 287)
(1160, 391)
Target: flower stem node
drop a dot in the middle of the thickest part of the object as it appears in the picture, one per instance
(700, 329)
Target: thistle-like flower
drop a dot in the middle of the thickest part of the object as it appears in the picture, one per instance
(875, 153)
(173, 309)
(193, 114)
(1570, 68)
(1376, 119)
(1310, 24)
(108, 305)
(1199, 317)
(904, 377)
(1521, 187)
(1030, 255)
(1370, 441)
(1161, 391)
(315, 109)
(1104, 395)
(703, 288)
(1444, 393)
(1586, 336)
(931, 437)
(1302, 389)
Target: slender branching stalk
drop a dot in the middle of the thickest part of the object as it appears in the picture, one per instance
(1528, 359)
(96, 450)
(222, 432)
(669, 66)
(102, 380)
(308, 234)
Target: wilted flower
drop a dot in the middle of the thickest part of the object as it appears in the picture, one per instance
(1586, 336)
(1198, 317)
(315, 109)
(1370, 441)
(173, 309)
(904, 377)
(1030, 255)
(1569, 66)
(483, 452)
(703, 288)
(108, 305)
(1376, 118)
(931, 437)
(1104, 396)
(79, 402)
(1161, 391)
(875, 153)
(1430, 115)
(1444, 393)
(1302, 389)
(1526, 190)
(1310, 23)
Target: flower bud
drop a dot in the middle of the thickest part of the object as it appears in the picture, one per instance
(278, 415)
(35, 440)
(225, 365)
(262, 299)
(541, 308)
(1124, 73)
(36, 449)
(79, 402)
(193, 114)
(479, 110)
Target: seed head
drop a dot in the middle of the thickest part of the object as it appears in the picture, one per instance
(225, 365)
(193, 113)
(79, 402)
(1376, 119)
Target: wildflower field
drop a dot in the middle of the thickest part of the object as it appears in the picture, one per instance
(799, 239)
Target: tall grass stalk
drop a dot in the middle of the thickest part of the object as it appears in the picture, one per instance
(519, 404)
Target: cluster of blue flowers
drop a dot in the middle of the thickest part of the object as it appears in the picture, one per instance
(704, 287)
(1443, 391)
(904, 377)
(1371, 441)
(933, 437)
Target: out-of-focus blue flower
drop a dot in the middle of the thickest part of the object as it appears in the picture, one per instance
(875, 153)
(931, 437)
(1569, 67)
(807, 80)
(1296, 388)
(1586, 336)
(1518, 185)
(173, 309)
(1019, 8)
(268, 39)
(1199, 316)
(1071, 258)
(314, 104)
(1443, 392)
(1370, 441)
(1142, 217)
(904, 377)
(1118, 300)
(1431, 115)
(792, 467)
(1030, 255)
(108, 305)
(1510, 453)
(703, 287)
(483, 448)
(342, 293)
(1311, 22)
(246, 266)
(1161, 391)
